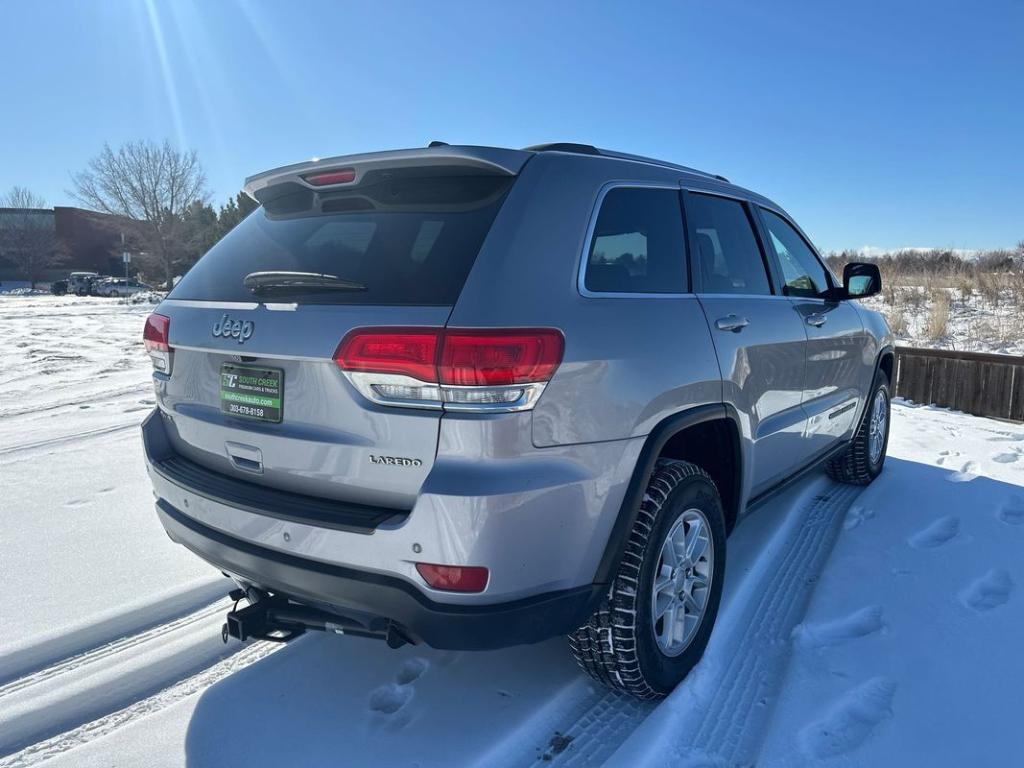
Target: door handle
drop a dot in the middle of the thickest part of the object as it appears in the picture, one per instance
(817, 319)
(733, 323)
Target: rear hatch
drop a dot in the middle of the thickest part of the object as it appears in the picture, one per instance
(253, 391)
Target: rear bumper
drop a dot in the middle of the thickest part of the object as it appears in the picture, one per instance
(439, 625)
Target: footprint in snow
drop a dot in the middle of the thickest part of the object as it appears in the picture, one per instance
(968, 472)
(988, 592)
(824, 633)
(944, 456)
(936, 534)
(1006, 437)
(856, 516)
(388, 699)
(851, 719)
(411, 670)
(1012, 513)
(1008, 457)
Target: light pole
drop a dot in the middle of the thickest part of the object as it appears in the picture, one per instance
(125, 257)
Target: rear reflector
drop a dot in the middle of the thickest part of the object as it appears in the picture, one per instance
(342, 176)
(454, 578)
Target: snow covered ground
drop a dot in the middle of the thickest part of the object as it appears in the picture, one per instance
(858, 627)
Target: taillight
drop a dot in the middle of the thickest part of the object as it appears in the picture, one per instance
(156, 337)
(412, 352)
(473, 358)
(458, 369)
(454, 578)
(327, 178)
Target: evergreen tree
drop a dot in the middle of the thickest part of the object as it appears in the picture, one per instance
(236, 209)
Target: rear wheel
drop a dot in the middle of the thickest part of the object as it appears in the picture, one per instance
(654, 624)
(862, 462)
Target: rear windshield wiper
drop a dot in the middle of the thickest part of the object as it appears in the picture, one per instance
(290, 282)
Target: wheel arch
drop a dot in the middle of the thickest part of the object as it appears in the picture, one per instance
(678, 436)
(887, 362)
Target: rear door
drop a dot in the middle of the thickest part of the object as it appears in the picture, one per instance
(758, 335)
(839, 361)
(254, 392)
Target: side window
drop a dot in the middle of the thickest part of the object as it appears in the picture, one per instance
(803, 273)
(637, 246)
(728, 257)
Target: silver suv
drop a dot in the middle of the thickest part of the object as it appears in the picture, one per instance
(477, 397)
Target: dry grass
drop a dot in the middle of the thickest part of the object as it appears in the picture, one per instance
(897, 320)
(938, 316)
(965, 288)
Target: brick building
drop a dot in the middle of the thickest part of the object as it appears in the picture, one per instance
(87, 241)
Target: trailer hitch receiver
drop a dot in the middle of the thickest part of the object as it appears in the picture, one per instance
(277, 619)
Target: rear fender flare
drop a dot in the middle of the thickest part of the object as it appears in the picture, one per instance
(656, 440)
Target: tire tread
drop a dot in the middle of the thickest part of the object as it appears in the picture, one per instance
(853, 466)
(606, 646)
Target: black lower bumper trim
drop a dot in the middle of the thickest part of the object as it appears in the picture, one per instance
(439, 625)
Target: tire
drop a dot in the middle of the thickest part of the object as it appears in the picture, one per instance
(858, 465)
(619, 646)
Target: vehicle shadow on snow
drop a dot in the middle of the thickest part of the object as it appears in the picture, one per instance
(332, 700)
(328, 700)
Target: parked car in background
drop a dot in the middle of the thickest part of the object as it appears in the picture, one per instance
(59, 287)
(119, 286)
(80, 283)
(518, 393)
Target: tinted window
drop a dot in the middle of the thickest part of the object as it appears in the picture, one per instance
(802, 272)
(637, 245)
(409, 241)
(728, 256)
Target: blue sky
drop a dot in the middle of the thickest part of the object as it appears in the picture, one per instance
(884, 124)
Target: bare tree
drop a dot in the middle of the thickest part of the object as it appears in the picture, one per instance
(28, 238)
(150, 186)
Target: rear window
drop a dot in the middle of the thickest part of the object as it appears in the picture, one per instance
(407, 240)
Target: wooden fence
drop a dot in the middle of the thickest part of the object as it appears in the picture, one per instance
(973, 382)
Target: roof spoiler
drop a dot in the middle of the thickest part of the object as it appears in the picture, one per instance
(483, 160)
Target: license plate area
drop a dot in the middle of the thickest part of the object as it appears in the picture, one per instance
(252, 392)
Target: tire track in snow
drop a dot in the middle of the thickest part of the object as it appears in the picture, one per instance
(597, 732)
(87, 693)
(52, 747)
(68, 438)
(104, 651)
(594, 723)
(718, 716)
(92, 397)
(130, 622)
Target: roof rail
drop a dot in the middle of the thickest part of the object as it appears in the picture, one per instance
(588, 149)
(565, 146)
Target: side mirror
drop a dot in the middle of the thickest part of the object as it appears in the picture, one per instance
(861, 280)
